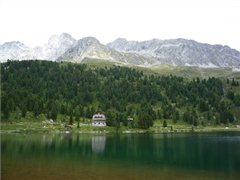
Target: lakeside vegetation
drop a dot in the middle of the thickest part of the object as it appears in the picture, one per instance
(49, 127)
(36, 91)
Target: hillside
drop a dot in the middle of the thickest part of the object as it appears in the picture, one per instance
(64, 90)
(188, 72)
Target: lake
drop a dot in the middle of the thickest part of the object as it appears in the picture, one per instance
(127, 156)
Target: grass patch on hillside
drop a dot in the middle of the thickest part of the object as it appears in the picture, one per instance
(164, 69)
(184, 71)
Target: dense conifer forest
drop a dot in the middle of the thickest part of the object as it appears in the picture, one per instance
(76, 91)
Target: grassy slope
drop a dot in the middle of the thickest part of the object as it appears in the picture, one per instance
(183, 71)
(193, 72)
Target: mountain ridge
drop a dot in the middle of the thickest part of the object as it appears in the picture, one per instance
(176, 52)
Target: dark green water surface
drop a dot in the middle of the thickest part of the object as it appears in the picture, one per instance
(130, 156)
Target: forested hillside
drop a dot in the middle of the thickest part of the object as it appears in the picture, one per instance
(77, 91)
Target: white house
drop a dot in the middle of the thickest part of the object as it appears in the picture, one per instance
(99, 119)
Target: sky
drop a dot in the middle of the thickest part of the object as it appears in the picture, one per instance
(34, 21)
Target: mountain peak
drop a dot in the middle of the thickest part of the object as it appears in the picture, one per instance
(66, 35)
(12, 43)
(120, 40)
(90, 40)
(58, 40)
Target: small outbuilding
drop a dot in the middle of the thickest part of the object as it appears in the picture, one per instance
(99, 119)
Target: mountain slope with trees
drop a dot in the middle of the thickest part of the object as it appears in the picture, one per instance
(73, 90)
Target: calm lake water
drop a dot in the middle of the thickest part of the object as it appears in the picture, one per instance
(131, 156)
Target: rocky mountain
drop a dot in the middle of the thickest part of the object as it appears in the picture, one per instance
(14, 50)
(91, 48)
(177, 52)
(181, 52)
(56, 46)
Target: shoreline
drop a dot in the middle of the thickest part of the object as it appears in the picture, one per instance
(112, 130)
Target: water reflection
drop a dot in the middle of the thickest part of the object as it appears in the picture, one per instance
(134, 156)
(98, 143)
(218, 152)
(47, 140)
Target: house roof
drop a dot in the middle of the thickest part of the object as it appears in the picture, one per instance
(99, 117)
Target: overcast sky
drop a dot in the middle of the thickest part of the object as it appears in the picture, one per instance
(34, 21)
